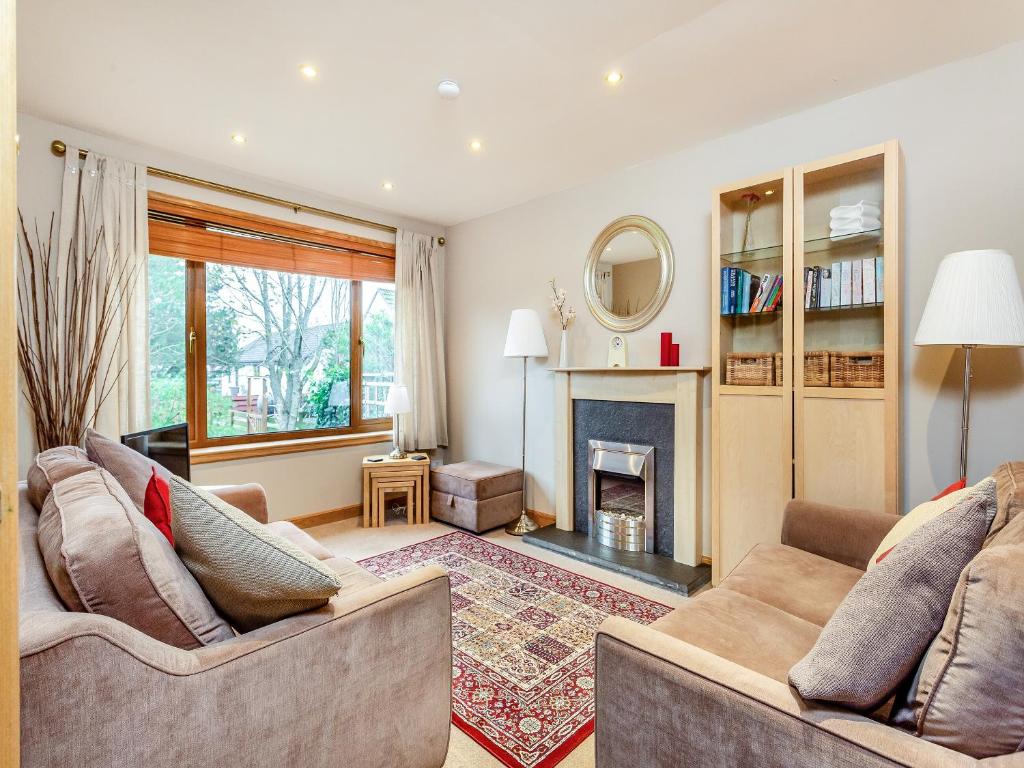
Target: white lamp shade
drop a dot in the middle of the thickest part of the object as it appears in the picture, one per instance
(525, 335)
(398, 401)
(975, 299)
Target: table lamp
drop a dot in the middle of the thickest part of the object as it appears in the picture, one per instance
(975, 301)
(397, 404)
(525, 339)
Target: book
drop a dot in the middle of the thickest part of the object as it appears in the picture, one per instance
(837, 282)
(808, 277)
(826, 288)
(723, 293)
(879, 280)
(845, 287)
(857, 282)
(776, 295)
(763, 286)
(733, 279)
(755, 286)
(815, 287)
(868, 272)
(743, 292)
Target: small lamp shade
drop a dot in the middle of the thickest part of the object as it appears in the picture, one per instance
(525, 335)
(975, 300)
(398, 401)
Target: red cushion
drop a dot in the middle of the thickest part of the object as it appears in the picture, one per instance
(957, 486)
(157, 505)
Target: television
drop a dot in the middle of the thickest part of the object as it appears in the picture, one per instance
(167, 446)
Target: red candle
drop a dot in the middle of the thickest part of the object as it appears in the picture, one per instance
(674, 356)
(666, 348)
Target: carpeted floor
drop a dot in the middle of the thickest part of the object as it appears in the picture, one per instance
(347, 538)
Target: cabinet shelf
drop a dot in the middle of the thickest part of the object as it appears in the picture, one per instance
(844, 308)
(813, 245)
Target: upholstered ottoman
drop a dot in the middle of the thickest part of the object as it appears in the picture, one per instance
(476, 495)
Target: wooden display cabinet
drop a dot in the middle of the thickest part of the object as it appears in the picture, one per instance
(847, 446)
(829, 439)
(752, 434)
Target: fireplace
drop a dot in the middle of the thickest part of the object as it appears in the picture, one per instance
(620, 491)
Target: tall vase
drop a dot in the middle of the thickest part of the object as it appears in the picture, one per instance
(563, 350)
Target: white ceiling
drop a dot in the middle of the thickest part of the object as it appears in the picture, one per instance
(184, 75)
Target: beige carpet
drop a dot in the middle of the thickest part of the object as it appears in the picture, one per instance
(349, 539)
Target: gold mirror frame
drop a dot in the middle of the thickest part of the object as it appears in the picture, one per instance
(663, 248)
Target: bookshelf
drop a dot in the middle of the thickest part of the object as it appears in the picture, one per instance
(751, 431)
(846, 440)
(835, 437)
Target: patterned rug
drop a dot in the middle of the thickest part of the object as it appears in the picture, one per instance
(523, 635)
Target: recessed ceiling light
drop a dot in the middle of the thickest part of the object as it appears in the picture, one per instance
(476, 145)
(238, 138)
(448, 89)
(387, 186)
(769, 191)
(308, 71)
(614, 77)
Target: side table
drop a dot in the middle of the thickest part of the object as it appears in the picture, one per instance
(383, 475)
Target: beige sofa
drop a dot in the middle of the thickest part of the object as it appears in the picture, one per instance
(364, 681)
(707, 684)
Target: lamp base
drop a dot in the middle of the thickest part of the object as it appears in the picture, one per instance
(398, 453)
(521, 525)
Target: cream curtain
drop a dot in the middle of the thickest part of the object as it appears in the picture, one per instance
(419, 339)
(104, 192)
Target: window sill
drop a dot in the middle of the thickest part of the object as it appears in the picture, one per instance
(282, 447)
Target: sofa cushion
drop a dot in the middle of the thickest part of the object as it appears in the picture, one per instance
(252, 575)
(797, 582)
(289, 530)
(966, 694)
(104, 557)
(52, 466)
(746, 631)
(1008, 525)
(879, 632)
(476, 479)
(130, 468)
(927, 511)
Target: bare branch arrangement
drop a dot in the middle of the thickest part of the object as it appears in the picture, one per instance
(71, 312)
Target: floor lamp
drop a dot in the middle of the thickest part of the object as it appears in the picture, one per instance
(975, 301)
(525, 339)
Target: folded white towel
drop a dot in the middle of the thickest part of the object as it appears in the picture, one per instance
(855, 225)
(863, 208)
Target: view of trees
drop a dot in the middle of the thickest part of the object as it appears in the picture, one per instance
(288, 334)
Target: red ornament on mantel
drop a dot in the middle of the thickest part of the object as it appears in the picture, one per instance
(673, 359)
(666, 348)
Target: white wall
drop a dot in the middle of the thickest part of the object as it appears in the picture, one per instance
(296, 484)
(960, 129)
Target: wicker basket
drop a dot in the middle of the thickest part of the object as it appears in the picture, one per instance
(858, 369)
(750, 369)
(778, 369)
(816, 368)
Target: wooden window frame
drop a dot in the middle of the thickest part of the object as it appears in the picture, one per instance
(195, 324)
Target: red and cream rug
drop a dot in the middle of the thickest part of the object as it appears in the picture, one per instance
(523, 636)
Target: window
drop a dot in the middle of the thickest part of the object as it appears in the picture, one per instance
(246, 352)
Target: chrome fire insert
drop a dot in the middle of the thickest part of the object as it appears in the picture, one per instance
(620, 490)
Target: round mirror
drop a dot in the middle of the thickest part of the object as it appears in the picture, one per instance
(628, 274)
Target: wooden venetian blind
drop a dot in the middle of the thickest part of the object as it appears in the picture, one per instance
(202, 232)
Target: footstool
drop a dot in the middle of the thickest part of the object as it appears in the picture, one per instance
(476, 495)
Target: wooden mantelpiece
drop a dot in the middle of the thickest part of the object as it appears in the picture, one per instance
(679, 386)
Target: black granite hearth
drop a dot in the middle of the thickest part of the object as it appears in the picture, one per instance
(654, 569)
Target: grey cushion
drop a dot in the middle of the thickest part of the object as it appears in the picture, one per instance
(130, 468)
(52, 466)
(476, 479)
(252, 575)
(966, 694)
(105, 557)
(881, 629)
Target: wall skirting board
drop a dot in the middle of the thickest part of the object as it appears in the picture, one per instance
(327, 516)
